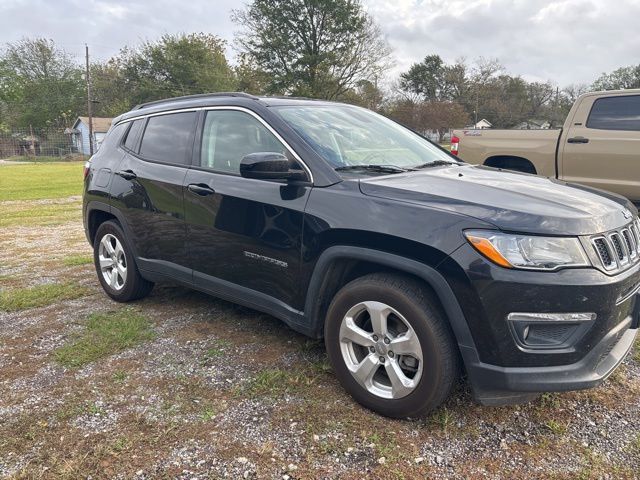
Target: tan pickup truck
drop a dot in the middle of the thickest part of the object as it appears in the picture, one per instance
(598, 146)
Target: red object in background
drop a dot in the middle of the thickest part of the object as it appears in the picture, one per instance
(455, 141)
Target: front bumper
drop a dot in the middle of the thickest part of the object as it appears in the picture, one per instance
(500, 368)
(493, 385)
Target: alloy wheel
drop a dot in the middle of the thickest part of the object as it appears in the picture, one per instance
(381, 350)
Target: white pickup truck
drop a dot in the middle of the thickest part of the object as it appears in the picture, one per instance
(598, 146)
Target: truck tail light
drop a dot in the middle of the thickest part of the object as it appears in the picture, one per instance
(87, 166)
(455, 141)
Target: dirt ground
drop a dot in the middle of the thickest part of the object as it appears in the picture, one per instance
(221, 391)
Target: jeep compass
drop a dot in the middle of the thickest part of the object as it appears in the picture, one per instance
(413, 266)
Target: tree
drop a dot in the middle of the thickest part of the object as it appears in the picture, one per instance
(249, 78)
(423, 116)
(425, 78)
(365, 94)
(622, 78)
(111, 92)
(442, 116)
(175, 65)
(315, 48)
(40, 84)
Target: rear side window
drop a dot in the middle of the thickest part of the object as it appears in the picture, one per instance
(113, 136)
(615, 113)
(130, 142)
(169, 138)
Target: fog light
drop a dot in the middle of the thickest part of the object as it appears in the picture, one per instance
(540, 331)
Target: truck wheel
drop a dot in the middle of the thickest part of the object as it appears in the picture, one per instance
(115, 265)
(390, 345)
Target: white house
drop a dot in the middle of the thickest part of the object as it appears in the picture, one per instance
(80, 133)
(482, 124)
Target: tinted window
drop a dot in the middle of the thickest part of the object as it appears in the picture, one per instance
(615, 113)
(113, 136)
(132, 135)
(230, 135)
(168, 138)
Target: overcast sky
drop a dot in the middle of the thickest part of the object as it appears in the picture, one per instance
(566, 41)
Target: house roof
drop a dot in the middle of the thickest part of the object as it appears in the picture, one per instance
(100, 124)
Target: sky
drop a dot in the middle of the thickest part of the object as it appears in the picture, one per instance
(565, 41)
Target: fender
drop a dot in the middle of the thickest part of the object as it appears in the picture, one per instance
(429, 274)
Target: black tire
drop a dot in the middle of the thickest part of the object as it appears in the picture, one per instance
(134, 287)
(417, 304)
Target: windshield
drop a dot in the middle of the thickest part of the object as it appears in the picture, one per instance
(348, 136)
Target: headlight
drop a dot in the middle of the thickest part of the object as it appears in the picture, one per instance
(528, 251)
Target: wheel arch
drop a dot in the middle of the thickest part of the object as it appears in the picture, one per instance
(97, 213)
(337, 262)
(511, 162)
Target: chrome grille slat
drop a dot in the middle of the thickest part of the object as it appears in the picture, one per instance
(618, 249)
(629, 242)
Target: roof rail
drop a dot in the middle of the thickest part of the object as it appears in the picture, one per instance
(191, 97)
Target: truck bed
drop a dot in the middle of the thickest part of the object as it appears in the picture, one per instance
(483, 146)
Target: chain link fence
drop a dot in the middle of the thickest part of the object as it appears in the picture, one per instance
(62, 144)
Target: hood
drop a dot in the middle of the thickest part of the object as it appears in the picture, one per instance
(510, 201)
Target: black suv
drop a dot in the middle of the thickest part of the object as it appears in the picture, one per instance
(413, 266)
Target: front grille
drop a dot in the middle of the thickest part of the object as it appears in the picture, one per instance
(619, 248)
(629, 242)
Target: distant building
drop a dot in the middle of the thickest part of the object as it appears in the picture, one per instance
(533, 125)
(482, 124)
(80, 133)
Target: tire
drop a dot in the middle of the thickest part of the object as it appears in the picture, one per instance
(128, 284)
(405, 303)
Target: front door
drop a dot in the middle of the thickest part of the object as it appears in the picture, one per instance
(602, 145)
(243, 231)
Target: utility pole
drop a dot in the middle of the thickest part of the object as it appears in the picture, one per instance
(89, 103)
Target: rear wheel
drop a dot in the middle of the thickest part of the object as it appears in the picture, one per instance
(390, 345)
(115, 265)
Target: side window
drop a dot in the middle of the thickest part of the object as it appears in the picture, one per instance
(229, 135)
(615, 113)
(130, 142)
(168, 138)
(113, 136)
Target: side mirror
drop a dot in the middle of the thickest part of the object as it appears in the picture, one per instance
(269, 166)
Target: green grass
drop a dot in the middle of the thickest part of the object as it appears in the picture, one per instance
(39, 296)
(275, 382)
(39, 215)
(105, 334)
(75, 260)
(36, 181)
(218, 348)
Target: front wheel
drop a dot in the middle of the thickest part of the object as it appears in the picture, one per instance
(115, 265)
(390, 345)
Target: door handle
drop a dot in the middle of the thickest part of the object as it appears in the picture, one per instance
(578, 140)
(127, 174)
(200, 189)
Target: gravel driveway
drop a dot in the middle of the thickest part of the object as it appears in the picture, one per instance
(220, 391)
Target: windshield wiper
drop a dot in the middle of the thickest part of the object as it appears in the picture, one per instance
(372, 168)
(435, 163)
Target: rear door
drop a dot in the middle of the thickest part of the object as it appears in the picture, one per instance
(149, 190)
(602, 145)
(243, 231)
